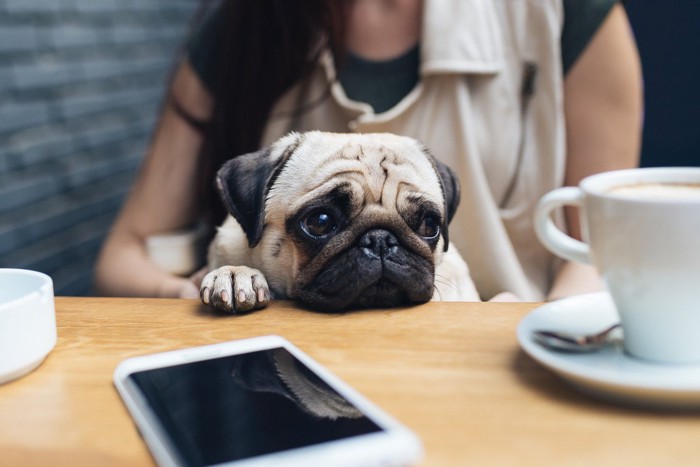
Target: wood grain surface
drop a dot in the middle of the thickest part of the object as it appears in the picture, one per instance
(452, 372)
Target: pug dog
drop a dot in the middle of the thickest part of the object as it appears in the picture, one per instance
(336, 221)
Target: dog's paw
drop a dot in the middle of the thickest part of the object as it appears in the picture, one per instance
(235, 289)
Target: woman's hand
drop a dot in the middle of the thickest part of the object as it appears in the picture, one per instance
(163, 199)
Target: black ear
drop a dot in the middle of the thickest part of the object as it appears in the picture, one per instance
(451, 191)
(450, 188)
(243, 183)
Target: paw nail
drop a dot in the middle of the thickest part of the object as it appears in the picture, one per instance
(241, 296)
(224, 297)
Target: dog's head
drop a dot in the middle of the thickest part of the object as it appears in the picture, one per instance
(344, 220)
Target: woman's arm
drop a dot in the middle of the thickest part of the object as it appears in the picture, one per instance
(603, 108)
(163, 199)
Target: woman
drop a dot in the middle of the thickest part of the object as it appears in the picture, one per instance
(495, 89)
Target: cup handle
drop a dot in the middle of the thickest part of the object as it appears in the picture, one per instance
(552, 237)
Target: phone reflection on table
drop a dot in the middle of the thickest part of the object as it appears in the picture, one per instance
(246, 405)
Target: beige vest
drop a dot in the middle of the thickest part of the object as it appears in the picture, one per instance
(470, 108)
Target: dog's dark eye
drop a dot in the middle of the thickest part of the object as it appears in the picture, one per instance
(319, 223)
(429, 227)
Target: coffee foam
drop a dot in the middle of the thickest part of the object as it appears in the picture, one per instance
(660, 191)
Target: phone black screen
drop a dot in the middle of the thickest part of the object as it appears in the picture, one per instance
(246, 405)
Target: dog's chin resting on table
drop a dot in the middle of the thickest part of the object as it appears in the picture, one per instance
(336, 221)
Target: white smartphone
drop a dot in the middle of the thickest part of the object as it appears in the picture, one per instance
(256, 402)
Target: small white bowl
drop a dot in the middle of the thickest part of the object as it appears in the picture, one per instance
(27, 321)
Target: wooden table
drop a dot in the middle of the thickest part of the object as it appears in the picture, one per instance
(452, 372)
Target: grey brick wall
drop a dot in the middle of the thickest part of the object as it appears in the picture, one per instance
(81, 83)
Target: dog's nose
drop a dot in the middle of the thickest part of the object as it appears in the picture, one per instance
(377, 242)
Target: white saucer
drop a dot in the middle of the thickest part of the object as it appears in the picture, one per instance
(609, 373)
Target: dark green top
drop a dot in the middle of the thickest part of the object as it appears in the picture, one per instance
(382, 84)
(582, 18)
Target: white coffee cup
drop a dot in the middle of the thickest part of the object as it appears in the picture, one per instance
(27, 321)
(642, 232)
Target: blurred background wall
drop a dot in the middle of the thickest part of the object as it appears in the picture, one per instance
(668, 36)
(80, 87)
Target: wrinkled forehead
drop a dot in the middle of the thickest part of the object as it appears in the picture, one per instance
(385, 167)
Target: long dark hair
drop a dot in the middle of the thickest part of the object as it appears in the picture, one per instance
(264, 47)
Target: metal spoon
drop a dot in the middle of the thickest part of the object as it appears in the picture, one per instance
(567, 342)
